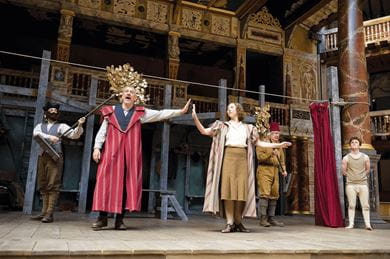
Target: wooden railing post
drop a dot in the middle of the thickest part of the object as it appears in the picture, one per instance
(87, 150)
(32, 166)
(222, 94)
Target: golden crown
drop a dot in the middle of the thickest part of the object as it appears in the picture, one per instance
(125, 76)
(262, 120)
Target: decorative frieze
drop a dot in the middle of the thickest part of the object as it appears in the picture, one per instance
(262, 27)
(301, 75)
(94, 4)
(157, 12)
(221, 25)
(126, 7)
(191, 19)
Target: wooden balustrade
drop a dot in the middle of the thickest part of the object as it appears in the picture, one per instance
(204, 104)
(375, 31)
(380, 123)
(26, 79)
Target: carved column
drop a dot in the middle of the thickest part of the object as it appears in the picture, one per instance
(293, 190)
(353, 72)
(304, 188)
(240, 70)
(173, 54)
(65, 35)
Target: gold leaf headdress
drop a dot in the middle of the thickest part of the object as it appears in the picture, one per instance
(125, 76)
(262, 120)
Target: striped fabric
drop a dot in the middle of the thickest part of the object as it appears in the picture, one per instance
(212, 196)
(121, 154)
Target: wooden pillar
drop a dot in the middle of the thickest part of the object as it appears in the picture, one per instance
(222, 96)
(65, 31)
(333, 92)
(240, 82)
(292, 193)
(262, 95)
(165, 155)
(87, 150)
(304, 187)
(173, 54)
(32, 166)
(152, 176)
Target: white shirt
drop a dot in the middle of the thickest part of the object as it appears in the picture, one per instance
(149, 116)
(73, 134)
(236, 135)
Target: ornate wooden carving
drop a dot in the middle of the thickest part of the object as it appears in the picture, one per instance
(191, 19)
(65, 35)
(157, 12)
(263, 27)
(126, 7)
(300, 70)
(94, 4)
(221, 25)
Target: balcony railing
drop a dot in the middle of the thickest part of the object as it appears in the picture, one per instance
(375, 32)
(380, 123)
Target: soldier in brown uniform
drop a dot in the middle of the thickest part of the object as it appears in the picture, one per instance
(356, 167)
(271, 161)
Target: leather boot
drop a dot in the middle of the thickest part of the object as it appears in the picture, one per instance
(119, 224)
(45, 201)
(100, 223)
(264, 221)
(48, 218)
(263, 205)
(271, 214)
(274, 222)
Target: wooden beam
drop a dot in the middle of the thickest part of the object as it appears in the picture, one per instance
(331, 18)
(87, 150)
(164, 155)
(222, 98)
(299, 17)
(32, 166)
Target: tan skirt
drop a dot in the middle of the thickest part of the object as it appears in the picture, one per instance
(234, 179)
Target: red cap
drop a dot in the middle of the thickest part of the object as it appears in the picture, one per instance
(274, 126)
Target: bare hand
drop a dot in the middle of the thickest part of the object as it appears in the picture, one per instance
(275, 152)
(285, 144)
(81, 120)
(284, 174)
(96, 155)
(193, 111)
(54, 139)
(185, 108)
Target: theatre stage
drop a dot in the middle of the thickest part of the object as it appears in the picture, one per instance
(71, 236)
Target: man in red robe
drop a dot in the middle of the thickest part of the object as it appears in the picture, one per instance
(119, 175)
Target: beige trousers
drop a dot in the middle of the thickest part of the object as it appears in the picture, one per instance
(361, 190)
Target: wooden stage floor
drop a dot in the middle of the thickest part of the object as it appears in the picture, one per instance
(71, 236)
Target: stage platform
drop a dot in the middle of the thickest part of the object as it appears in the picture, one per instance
(71, 236)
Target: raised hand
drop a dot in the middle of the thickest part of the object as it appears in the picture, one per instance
(286, 144)
(185, 108)
(193, 111)
(81, 120)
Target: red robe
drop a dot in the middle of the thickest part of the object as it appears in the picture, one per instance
(121, 154)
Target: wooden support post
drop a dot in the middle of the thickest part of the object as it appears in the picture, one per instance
(87, 150)
(222, 95)
(187, 182)
(152, 176)
(32, 166)
(262, 95)
(333, 86)
(165, 154)
(165, 198)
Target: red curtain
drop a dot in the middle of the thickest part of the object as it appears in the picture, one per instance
(327, 201)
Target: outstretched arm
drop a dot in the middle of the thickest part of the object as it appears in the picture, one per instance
(199, 126)
(284, 144)
(153, 115)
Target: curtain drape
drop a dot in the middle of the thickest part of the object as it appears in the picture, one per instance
(327, 201)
